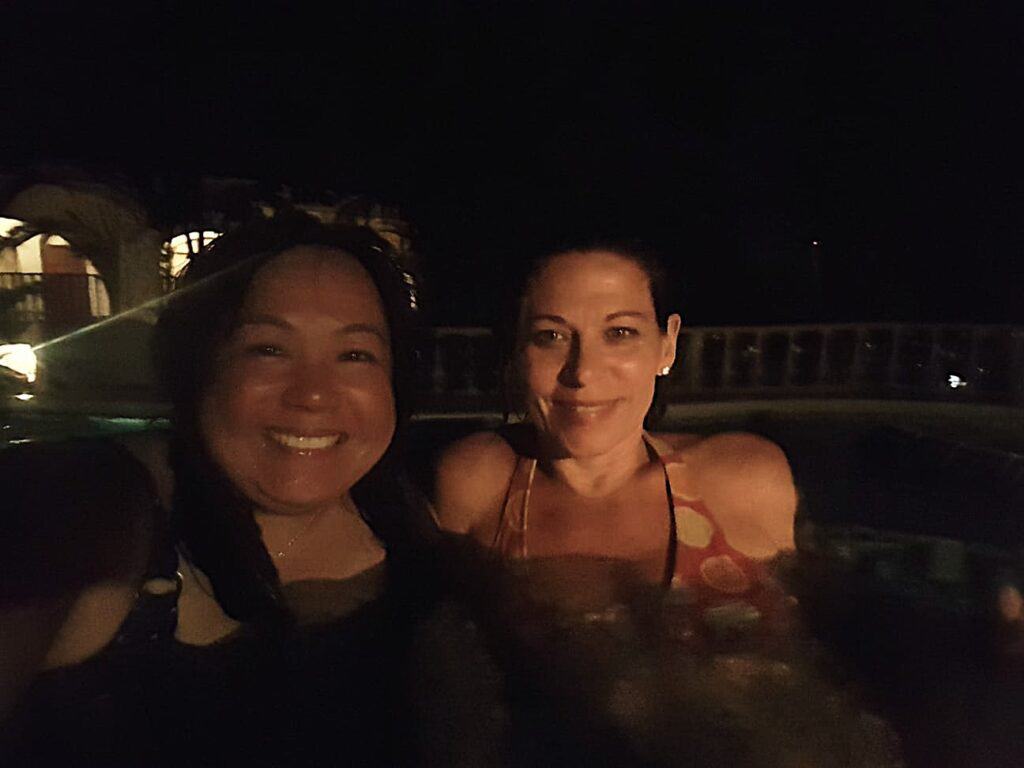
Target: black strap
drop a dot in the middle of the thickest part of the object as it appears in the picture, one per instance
(154, 617)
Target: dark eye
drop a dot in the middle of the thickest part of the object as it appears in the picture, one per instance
(264, 350)
(357, 356)
(621, 333)
(546, 337)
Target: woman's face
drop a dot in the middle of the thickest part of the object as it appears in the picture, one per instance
(301, 406)
(591, 349)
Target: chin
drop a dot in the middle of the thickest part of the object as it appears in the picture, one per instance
(289, 502)
(584, 446)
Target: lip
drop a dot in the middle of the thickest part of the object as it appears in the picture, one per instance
(582, 412)
(583, 404)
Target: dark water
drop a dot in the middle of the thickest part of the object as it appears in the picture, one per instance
(908, 529)
(895, 651)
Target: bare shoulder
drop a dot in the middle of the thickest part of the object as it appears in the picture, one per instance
(747, 482)
(740, 451)
(674, 442)
(472, 477)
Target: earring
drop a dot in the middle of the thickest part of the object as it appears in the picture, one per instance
(664, 371)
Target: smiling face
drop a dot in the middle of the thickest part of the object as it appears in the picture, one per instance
(590, 349)
(301, 404)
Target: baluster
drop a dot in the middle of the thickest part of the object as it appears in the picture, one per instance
(974, 375)
(892, 364)
(696, 361)
(933, 376)
(1016, 364)
(727, 357)
(471, 360)
(787, 370)
(859, 355)
(758, 376)
(822, 367)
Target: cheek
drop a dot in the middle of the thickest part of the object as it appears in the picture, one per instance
(234, 402)
(539, 372)
(372, 403)
(635, 369)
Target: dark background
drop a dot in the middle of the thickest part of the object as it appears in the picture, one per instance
(729, 137)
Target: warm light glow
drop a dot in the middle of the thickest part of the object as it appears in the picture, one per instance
(24, 396)
(955, 381)
(7, 225)
(58, 241)
(19, 358)
(180, 251)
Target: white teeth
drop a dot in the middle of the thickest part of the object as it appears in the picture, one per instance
(305, 442)
(585, 408)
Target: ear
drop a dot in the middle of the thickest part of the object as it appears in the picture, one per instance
(668, 341)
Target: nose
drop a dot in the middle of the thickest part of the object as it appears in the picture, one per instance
(579, 365)
(310, 387)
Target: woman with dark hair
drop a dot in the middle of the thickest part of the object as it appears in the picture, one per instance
(582, 479)
(272, 620)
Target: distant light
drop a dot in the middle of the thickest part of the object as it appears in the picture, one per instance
(24, 396)
(19, 358)
(955, 381)
(814, 242)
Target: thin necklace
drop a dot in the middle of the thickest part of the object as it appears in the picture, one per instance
(286, 549)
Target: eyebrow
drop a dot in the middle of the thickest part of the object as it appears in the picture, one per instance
(628, 313)
(283, 324)
(612, 316)
(552, 318)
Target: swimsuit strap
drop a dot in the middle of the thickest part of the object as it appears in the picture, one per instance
(154, 616)
(661, 450)
(510, 538)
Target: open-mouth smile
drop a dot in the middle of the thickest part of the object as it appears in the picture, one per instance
(305, 443)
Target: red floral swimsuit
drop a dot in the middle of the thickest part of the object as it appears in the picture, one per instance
(727, 588)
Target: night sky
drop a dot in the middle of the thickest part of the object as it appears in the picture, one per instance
(729, 139)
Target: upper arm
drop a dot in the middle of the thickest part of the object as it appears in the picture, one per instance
(74, 541)
(472, 477)
(747, 483)
(28, 633)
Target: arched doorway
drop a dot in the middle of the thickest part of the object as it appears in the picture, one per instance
(46, 289)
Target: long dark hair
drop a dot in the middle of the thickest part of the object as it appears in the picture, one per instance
(508, 330)
(213, 521)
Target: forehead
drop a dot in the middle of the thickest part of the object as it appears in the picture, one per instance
(315, 279)
(590, 277)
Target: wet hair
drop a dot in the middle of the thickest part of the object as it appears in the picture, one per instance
(212, 519)
(508, 330)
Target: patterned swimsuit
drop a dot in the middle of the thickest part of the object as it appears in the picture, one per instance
(726, 588)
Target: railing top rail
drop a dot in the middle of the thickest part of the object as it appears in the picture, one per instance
(468, 330)
(866, 325)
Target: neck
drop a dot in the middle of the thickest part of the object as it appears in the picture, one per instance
(602, 474)
(333, 542)
(282, 533)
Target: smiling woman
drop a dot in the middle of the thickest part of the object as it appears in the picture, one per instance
(581, 478)
(301, 405)
(273, 550)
